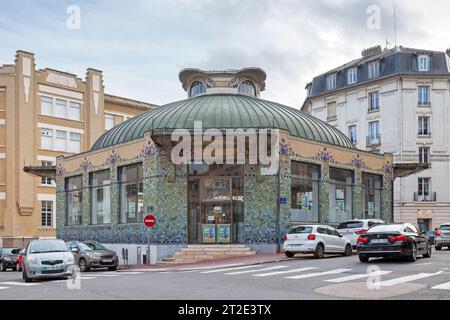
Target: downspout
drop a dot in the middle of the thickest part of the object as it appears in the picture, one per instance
(401, 155)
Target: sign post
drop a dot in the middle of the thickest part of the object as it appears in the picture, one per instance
(149, 222)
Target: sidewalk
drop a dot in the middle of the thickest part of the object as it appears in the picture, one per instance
(239, 261)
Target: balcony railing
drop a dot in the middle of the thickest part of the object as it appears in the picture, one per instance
(425, 198)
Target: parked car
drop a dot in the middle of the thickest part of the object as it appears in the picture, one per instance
(316, 239)
(351, 230)
(47, 259)
(92, 255)
(395, 240)
(8, 257)
(431, 235)
(442, 238)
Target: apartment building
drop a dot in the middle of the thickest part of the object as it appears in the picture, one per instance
(44, 114)
(397, 101)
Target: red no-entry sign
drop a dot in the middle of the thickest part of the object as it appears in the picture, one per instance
(149, 221)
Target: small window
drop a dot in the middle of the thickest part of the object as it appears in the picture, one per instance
(331, 81)
(46, 181)
(248, 88)
(374, 133)
(424, 126)
(47, 106)
(424, 187)
(47, 214)
(352, 75)
(331, 111)
(75, 142)
(374, 101)
(61, 140)
(374, 69)
(109, 121)
(46, 138)
(74, 111)
(424, 63)
(424, 96)
(424, 155)
(197, 88)
(60, 108)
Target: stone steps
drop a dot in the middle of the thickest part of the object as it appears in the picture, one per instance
(196, 253)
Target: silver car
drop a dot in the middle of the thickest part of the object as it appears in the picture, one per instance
(44, 259)
(442, 238)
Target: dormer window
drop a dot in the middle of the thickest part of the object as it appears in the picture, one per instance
(424, 63)
(248, 88)
(352, 75)
(374, 69)
(331, 81)
(196, 89)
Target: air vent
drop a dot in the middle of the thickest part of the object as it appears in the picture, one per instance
(371, 51)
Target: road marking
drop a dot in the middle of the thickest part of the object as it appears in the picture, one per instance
(106, 275)
(444, 286)
(358, 276)
(319, 274)
(406, 279)
(257, 270)
(130, 272)
(283, 272)
(230, 269)
(3, 288)
(21, 284)
(212, 267)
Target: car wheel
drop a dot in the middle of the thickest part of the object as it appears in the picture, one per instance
(83, 265)
(438, 248)
(319, 253)
(289, 254)
(428, 253)
(363, 259)
(413, 255)
(348, 250)
(2, 267)
(112, 268)
(25, 277)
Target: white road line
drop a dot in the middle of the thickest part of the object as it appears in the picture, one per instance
(3, 288)
(105, 275)
(406, 279)
(257, 270)
(230, 269)
(319, 274)
(283, 272)
(358, 276)
(444, 286)
(212, 267)
(130, 273)
(20, 284)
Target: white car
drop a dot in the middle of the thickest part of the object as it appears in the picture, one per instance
(316, 239)
(353, 229)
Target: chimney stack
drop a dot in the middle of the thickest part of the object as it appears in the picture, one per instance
(372, 51)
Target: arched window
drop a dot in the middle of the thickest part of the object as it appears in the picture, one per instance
(247, 87)
(197, 88)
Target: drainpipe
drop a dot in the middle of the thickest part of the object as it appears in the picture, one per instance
(278, 209)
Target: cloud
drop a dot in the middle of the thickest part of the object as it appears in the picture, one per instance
(141, 45)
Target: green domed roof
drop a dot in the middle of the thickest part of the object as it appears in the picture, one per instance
(224, 111)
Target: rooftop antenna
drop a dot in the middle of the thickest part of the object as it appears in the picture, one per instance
(395, 26)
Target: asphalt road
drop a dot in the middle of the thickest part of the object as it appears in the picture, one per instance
(299, 278)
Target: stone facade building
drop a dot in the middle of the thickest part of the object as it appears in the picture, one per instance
(397, 101)
(43, 114)
(129, 172)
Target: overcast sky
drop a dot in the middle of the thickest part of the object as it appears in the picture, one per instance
(142, 45)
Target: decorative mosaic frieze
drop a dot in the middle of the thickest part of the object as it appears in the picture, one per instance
(60, 170)
(286, 150)
(325, 156)
(148, 151)
(113, 159)
(358, 162)
(209, 83)
(86, 165)
(233, 83)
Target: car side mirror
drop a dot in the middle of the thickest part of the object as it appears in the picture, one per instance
(75, 250)
(22, 253)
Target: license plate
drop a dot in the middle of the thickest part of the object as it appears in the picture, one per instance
(52, 268)
(295, 245)
(108, 261)
(378, 241)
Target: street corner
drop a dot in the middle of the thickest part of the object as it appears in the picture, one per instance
(361, 291)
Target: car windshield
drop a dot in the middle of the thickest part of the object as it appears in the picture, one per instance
(96, 246)
(445, 228)
(351, 225)
(48, 246)
(297, 230)
(84, 247)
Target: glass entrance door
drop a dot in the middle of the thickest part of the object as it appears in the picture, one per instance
(217, 220)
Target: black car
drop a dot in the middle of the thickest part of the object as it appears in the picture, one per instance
(391, 241)
(8, 258)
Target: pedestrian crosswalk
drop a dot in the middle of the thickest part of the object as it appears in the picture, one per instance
(5, 285)
(385, 278)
